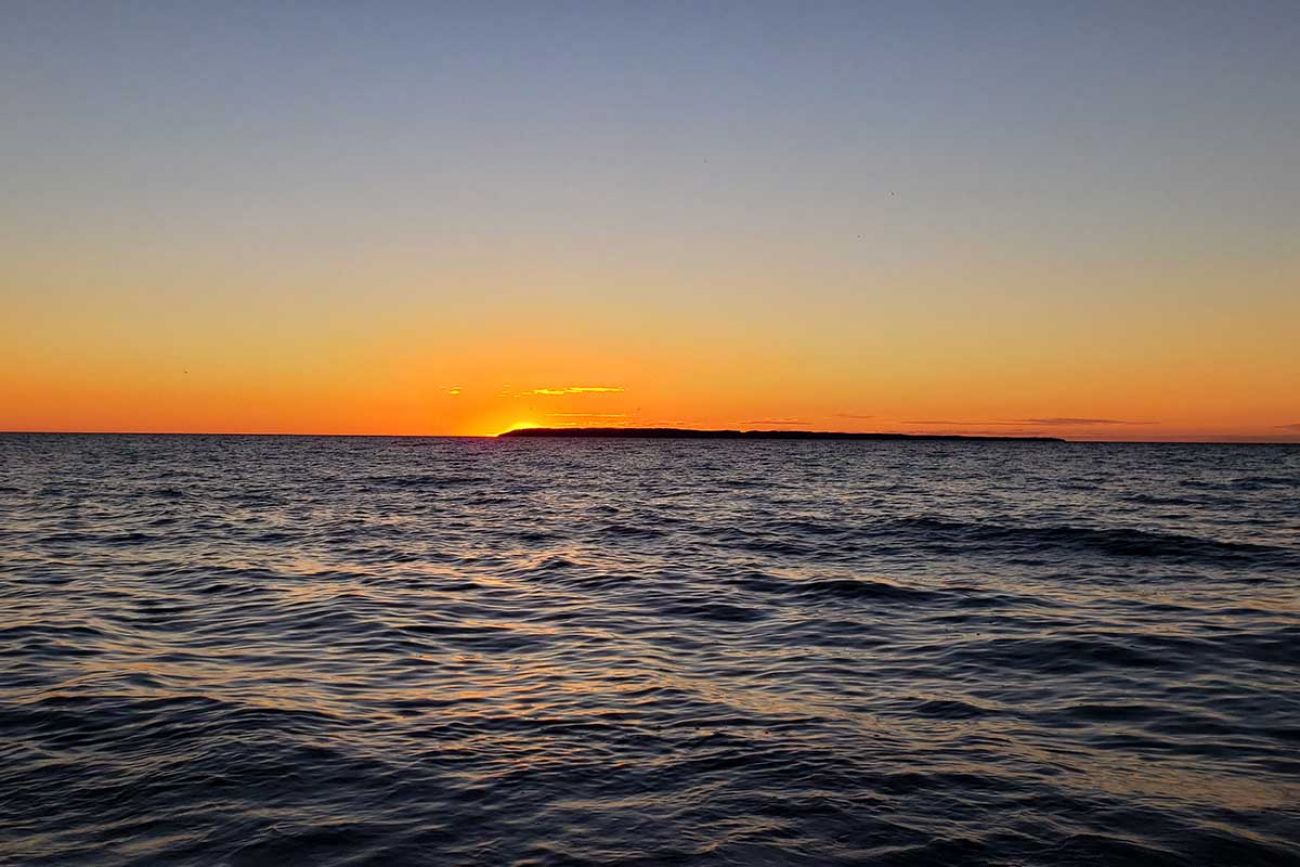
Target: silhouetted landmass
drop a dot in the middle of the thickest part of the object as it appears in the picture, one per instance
(679, 433)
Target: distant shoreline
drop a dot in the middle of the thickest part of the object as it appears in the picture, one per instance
(678, 433)
(559, 433)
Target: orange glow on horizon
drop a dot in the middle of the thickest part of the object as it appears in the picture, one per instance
(520, 425)
(1209, 373)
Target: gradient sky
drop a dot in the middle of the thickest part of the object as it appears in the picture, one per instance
(1070, 218)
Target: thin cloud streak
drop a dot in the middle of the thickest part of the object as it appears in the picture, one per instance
(577, 389)
(1072, 422)
(586, 415)
(1062, 421)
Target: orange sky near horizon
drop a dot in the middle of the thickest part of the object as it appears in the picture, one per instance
(918, 356)
(941, 218)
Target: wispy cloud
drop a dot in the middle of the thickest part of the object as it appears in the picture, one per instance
(577, 389)
(1295, 426)
(777, 422)
(670, 422)
(587, 414)
(1061, 421)
(1072, 422)
(933, 421)
(851, 415)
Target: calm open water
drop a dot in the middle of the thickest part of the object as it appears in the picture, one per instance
(247, 650)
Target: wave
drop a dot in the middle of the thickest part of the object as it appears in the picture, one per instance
(1115, 542)
(278, 650)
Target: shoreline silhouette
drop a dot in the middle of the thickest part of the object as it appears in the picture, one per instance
(693, 434)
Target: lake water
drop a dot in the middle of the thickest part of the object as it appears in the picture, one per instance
(329, 651)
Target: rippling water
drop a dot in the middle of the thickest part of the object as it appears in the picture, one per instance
(245, 650)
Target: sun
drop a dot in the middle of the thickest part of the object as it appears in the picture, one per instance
(520, 425)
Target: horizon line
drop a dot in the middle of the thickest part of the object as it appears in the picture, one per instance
(1241, 441)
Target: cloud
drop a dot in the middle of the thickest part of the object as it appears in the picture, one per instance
(778, 422)
(577, 389)
(671, 422)
(1072, 422)
(851, 415)
(587, 414)
(454, 391)
(1032, 422)
(1295, 427)
(931, 421)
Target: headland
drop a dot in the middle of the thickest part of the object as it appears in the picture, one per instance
(678, 433)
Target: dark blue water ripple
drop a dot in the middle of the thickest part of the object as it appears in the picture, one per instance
(243, 650)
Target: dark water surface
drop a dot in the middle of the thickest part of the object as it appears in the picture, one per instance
(244, 650)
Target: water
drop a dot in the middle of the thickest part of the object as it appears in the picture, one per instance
(242, 650)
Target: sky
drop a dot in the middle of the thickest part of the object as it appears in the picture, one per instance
(1076, 219)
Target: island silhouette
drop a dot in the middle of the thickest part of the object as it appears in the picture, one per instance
(669, 433)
